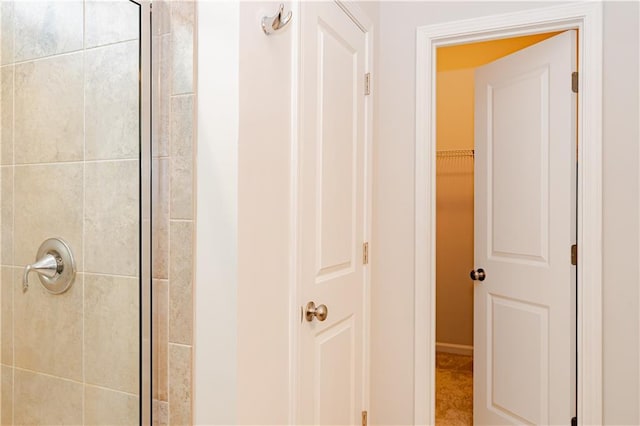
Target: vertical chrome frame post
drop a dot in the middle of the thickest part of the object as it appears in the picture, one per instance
(146, 377)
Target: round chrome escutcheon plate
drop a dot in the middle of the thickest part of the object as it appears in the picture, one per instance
(63, 279)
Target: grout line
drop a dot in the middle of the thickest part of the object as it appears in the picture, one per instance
(180, 221)
(80, 162)
(111, 390)
(85, 273)
(64, 379)
(84, 197)
(100, 274)
(113, 43)
(182, 95)
(168, 90)
(71, 52)
(181, 345)
(47, 57)
(13, 216)
(48, 375)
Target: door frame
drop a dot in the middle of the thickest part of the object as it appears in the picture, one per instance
(364, 23)
(587, 18)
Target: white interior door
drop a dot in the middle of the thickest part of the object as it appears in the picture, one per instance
(331, 215)
(525, 168)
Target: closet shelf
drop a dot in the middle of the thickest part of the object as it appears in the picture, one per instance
(452, 153)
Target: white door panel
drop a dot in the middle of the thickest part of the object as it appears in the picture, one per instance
(524, 228)
(331, 214)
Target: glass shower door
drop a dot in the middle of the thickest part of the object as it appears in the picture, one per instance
(73, 144)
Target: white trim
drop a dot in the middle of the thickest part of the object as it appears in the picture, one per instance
(356, 14)
(362, 21)
(587, 18)
(452, 348)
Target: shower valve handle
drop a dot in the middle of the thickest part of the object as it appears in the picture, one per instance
(49, 266)
(55, 266)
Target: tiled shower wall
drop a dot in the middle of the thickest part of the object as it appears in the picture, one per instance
(69, 145)
(173, 214)
(69, 168)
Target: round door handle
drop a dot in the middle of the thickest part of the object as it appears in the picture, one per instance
(478, 274)
(319, 312)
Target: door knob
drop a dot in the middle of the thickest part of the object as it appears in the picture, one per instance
(478, 274)
(319, 312)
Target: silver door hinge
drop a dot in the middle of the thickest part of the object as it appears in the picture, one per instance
(364, 418)
(574, 82)
(574, 254)
(367, 83)
(365, 253)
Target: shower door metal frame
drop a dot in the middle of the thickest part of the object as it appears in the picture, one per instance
(145, 287)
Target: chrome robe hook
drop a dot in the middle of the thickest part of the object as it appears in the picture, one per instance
(271, 24)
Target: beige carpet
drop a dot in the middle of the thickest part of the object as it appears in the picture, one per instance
(454, 389)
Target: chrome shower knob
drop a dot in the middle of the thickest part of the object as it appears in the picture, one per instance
(55, 266)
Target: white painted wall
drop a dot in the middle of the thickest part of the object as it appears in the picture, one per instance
(621, 213)
(242, 289)
(263, 218)
(216, 286)
(392, 288)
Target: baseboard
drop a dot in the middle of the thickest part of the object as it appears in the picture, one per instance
(452, 348)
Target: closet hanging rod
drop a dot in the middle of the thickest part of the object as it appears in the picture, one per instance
(449, 153)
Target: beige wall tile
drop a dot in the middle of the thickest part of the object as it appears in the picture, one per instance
(160, 348)
(180, 286)
(160, 413)
(49, 127)
(111, 332)
(182, 157)
(6, 31)
(155, 91)
(162, 17)
(6, 399)
(162, 95)
(182, 110)
(160, 225)
(49, 109)
(112, 217)
(110, 22)
(45, 28)
(48, 198)
(6, 215)
(180, 389)
(46, 400)
(48, 328)
(6, 113)
(112, 101)
(181, 188)
(7, 277)
(107, 407)
(182, 31)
